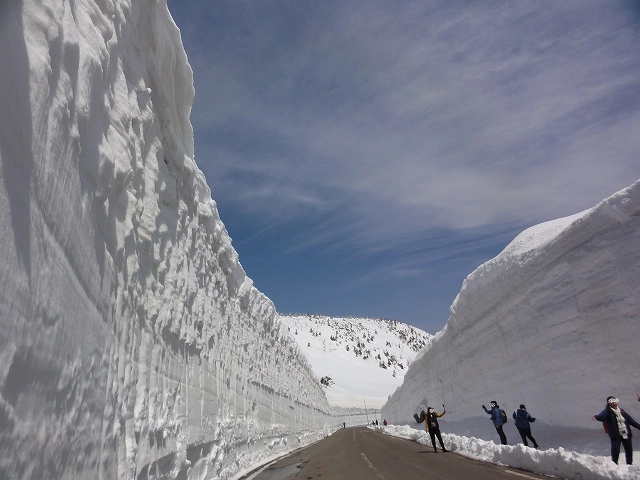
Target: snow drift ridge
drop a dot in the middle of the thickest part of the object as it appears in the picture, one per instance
(552, 320)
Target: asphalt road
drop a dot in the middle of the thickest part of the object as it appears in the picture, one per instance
(362, 454)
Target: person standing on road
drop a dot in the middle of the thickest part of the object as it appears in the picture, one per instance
(497, 420)
(523, 424)
(433, 428)
(617, 423)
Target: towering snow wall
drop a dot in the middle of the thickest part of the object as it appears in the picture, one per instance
(552, 322)
(132, 344)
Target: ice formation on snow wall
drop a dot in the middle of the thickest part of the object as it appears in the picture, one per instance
(132, 343)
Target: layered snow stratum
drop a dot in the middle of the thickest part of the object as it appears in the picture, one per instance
(132, 343)
(551, 322)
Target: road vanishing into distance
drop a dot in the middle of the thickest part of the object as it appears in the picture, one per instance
(363, 454)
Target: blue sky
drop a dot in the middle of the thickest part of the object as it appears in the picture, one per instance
(366, 156)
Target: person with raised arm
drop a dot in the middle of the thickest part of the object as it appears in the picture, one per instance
(497, 419)
(433, 428)
(617, 423)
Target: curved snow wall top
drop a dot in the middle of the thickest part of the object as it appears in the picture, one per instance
(132, 343)
(551, 322)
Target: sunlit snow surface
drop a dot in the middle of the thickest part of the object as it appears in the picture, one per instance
(365, 358)
(551, 322)
(133, 344)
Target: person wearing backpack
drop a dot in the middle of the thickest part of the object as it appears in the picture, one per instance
(617, 423)
(523, 424)
(498, 419)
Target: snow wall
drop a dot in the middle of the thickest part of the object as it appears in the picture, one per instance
(551, 322)
(132, 343)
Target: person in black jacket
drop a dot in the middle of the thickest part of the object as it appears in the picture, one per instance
(523, 424)
(433, 428)
(618, 423)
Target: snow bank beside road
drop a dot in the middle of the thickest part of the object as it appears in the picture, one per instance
(558, 462)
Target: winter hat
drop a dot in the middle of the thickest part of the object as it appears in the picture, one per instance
(611, 400)
(522, 407)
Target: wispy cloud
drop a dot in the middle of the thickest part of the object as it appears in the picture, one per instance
(404, 132)
(451, 116)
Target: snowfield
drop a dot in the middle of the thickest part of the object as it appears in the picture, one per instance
(364, 359)
(133, 345)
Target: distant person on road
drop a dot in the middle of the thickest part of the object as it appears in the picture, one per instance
(617, 423)
(497, 420)
(385, 422)
(523, 421)
(433, 428)
(344, 424)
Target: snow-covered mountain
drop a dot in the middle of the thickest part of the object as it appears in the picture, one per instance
(551, 322)
(360, 361)
(132, 343)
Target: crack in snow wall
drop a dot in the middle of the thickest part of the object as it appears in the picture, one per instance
(552, 321)
(133, 345)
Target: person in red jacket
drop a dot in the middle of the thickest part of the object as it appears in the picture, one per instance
(617, 424)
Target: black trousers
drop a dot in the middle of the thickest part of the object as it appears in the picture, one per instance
(503, 437)
(433, 433)
(526, 433)
(615, 449)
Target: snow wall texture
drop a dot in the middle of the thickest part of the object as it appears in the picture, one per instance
(551, 322)
(132, 343)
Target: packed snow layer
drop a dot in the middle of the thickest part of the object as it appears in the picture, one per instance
(132, 343)
(551, 322)
(363, 359)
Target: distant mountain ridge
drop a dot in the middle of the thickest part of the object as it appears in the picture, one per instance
(357, 360)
